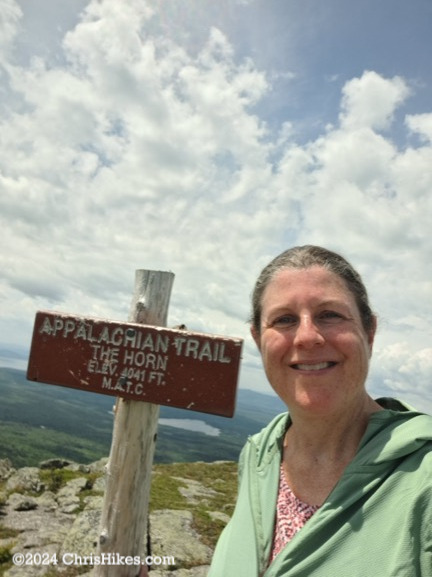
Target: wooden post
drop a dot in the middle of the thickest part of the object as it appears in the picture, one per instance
(126, 502)
(141, 362)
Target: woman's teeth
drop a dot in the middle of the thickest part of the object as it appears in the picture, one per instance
(313, 367)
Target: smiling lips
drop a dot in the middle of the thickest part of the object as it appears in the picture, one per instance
(313, 366)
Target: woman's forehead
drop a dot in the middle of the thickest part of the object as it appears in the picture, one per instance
(315, 282)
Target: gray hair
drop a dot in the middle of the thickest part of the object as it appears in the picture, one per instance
(302, 257)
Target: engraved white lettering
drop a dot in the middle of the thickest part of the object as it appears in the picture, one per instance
(81, 332)
(132, 360)
(116, 337)
(46, 327)
(106, 382)
(207, 351)
(69, 327)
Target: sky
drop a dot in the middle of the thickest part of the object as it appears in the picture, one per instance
(204, 137)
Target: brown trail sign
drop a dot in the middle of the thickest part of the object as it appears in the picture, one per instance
(135, 362)
(142, 363)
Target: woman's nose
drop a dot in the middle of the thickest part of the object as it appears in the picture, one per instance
(307, 333)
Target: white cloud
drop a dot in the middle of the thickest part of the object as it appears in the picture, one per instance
(124, 154)
(131, 152)
(403, 373)
(10, 16)
(371, 100)
(421, 124)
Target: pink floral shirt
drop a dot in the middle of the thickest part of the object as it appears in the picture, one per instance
(291, 515)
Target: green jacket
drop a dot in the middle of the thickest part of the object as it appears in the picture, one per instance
(377, 521)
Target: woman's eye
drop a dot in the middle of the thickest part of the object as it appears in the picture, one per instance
(285, 321)
(330, 316)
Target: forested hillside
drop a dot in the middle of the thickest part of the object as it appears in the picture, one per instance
(39, 422)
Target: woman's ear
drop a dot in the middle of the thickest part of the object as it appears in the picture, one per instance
(256, 337)
(371, 335)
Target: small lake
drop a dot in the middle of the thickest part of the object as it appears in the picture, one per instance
(191, 425)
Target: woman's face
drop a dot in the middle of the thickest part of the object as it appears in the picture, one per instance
(314, 348)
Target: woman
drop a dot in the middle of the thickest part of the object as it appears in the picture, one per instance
(341, 485)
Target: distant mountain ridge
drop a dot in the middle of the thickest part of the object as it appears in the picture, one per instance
(39, 422)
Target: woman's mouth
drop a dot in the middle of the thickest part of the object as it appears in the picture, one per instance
(313, 366)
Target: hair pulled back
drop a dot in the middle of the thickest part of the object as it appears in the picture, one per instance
(302, 257)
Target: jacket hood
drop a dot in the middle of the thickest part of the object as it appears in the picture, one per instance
(394, 433)
(270, 439)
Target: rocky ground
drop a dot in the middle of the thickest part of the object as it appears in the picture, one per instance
(55, 510)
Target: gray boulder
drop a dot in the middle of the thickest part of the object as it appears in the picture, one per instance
(168, 530)
(25, 480)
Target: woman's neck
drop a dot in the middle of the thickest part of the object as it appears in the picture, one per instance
(317, 451)
(331, 439)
